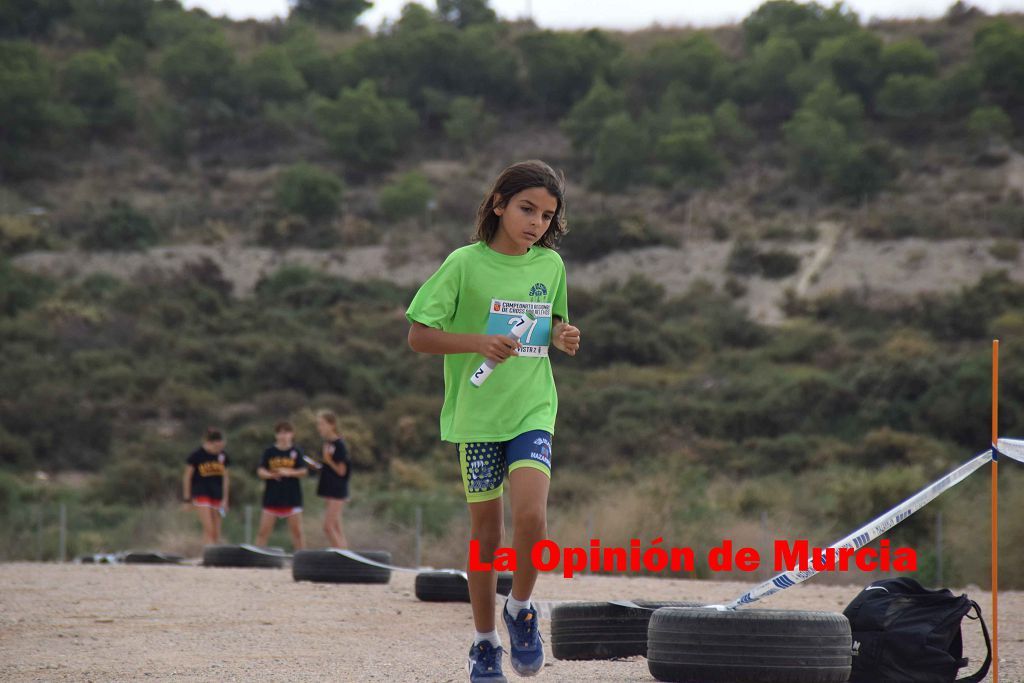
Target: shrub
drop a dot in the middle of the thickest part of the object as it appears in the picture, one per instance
(103, 20)
(584, 121)
(309, 191)
(122, 227)
(468, 122)
(595, 236)
(91, 81)
(199, 66)
(777, 264)
(337, 14)
(271, 76)
(365, 129)
(1005, 250)
(406, 197)
(620, 154)
(989, 123)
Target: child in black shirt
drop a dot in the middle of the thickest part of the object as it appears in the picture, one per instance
(334, 475)
(281, 466)
(205, 483)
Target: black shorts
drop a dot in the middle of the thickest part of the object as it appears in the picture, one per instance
(332, 487)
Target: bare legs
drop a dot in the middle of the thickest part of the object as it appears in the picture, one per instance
(333, 528)
(529, 498)
(267, 525)
(210, 519)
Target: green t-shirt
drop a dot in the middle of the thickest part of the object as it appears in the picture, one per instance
(480, 291)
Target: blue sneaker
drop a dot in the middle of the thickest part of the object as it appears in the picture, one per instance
(527, 649)
(485, 663)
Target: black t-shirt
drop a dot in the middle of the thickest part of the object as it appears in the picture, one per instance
(286, 493)
(331, 484)
(208, 473)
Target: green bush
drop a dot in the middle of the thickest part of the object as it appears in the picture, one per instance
(91, 81)
(909, 58)
(271, 76)
(776, 264)
(910, 101)
(199, 66)
(121, 227)
(364, 129)
(560, 67)
(104, 20)
(25, 100)
(309, 191)
(468, 123)
(406, 197)
(592, 237)
(688, 148)
(620, 153)
(989, 123)
(999, 54)
(1005, 250)
(464, 13)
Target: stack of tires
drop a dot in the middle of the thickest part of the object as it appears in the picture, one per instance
(243, 556)
(451, 586)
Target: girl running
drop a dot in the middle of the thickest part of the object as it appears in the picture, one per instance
(503, 427)
(281, 466)
(333, 486)
(206, 483)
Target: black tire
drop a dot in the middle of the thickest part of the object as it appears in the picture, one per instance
(134, 557)
(243, 556)
(452, 587)
(328, 566)
(749, 646)
(601, 630)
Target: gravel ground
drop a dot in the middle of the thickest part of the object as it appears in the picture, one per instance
(132, 622)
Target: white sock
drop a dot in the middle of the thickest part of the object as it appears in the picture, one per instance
(513, 606)
(491, 637)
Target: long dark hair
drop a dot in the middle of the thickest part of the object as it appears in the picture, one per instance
(520, 176)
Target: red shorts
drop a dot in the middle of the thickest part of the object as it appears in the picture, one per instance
(283, 512)
(207, 502)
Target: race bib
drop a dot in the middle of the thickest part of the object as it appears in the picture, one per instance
(505, 315)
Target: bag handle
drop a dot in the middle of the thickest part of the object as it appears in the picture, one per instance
(983, 671)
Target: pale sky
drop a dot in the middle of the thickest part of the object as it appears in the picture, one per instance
(629, 14)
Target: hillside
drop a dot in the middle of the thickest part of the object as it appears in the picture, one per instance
(790, 241)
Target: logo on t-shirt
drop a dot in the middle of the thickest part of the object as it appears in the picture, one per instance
(538, 292)
(507, 314)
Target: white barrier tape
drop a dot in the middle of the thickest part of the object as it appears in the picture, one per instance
(867, 533)
(264, 551)
(1011, 448)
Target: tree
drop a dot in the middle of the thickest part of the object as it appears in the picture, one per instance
(694, 64)
(960, 91)
(999, 53)
(309, 191)
(26, 89)
(688, 148)
(910, 102)
(272, 77)
(620, 154)
(764, 79)
(463, 13)
(854, 61)
(200, 66)
(816, 143)
(909, 57)
(560, 67)
(989, 123)
(91, 81)
(364, 129)
(828, 101)
(808, 24)
(30, 18)
(468, 122)
(729, 126)
(103, 20)
(338, 14)
(586, 118)
(406, 197)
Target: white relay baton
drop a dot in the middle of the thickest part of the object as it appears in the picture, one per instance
(515, 334)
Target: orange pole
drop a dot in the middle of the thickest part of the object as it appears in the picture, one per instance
(995, 511)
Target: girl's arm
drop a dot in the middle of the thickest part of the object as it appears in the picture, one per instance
(227, 488)
(264, 473)
(339, 467)
(186, 483)
(565, 337)
(424, 339)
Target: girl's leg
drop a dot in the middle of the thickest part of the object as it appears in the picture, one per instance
(333, 528)
(295, 526)
(529, 501)
(266, 526)
(207, 522)
(485, 527)
(215, 520)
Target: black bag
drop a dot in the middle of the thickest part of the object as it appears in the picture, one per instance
(904, 633)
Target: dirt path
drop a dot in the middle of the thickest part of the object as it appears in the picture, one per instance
(131, 622)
